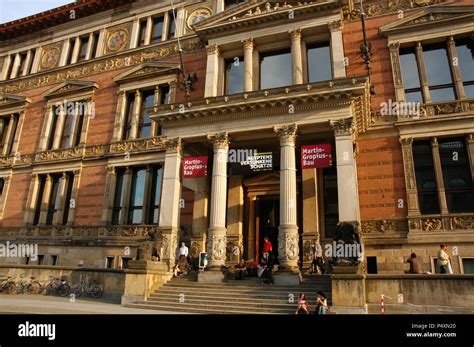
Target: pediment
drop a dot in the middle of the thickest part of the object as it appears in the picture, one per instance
(429, 17)
(148, 69)
(12, 100)
(70, 87)
(261, 13)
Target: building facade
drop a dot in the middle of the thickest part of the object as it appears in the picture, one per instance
(99, 128)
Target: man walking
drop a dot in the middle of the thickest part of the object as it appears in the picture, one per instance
(318, 261)
(443, 259)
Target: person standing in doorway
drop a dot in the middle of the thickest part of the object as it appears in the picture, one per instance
(267, 247)
(443, 259)
(318, 260)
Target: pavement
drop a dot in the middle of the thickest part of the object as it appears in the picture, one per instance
(40, 304)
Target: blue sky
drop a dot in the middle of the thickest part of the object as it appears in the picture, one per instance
(16, 9)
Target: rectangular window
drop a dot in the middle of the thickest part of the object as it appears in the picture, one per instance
(425, 177)
(54, 260)
(468, 265)
(129, 113)
(165, 94)
(22, 64)
(465, 53)
(234, 78)
(137, 196)
(125, 262)
(4, 122)
(144, 122)
(410, 77)
(67, 128)
(438, 73)
(40, 259)
(95, 43)
(84, 42)
(319, 62)
(157, 30)
(372, 265)
(275, 69)
(2, 185)
(142, 33)
(39, 199)
(457, 177)
(119, 191)
(81, 112)
(109, 262)
(172, 25)
(154, 214)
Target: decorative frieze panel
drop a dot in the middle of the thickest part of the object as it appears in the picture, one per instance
(68, 153)
(448, 223)
(97, 66)
(155, 143)
(384, 226)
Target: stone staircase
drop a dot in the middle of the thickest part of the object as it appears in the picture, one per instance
(249, 296)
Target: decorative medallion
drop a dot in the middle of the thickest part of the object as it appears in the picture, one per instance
(50, 58)
(117, 40)
(198, 15)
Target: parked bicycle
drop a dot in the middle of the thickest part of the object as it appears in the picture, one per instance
(57, 286)
(7, 284)
(31, 286)
(95, 290)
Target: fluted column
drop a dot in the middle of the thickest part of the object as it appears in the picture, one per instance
(110, 185)
(59, 127)
(216, 244)
(288, 238)
(75, 52)
(410, 180)
(297, 60)
(347, 186)
(45, 200)
(76, 180)
(16, 66)
(212, 70)
(169, 206)
(439, 176)
(136, 115)
(120, 116)
(127, 184)
(248, 64)
(58, 218)
(32, 198)
(27, 63)
(8, 141)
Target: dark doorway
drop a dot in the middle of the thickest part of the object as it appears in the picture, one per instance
(268, 220)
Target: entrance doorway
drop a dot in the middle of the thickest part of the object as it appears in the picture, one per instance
(267, 221)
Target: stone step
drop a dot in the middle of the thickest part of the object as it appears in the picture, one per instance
(282, 304)
(209, 308)
(234, 297)
(200, 310)
(222, 298)
(242, 291)
(239, 285)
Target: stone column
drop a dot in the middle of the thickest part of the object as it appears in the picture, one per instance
(6, 66)
(36, 60)
(212, 70)
(166, 24)
(170, 196)
(347, 187)
(31, 202)
(86, 121)
(394, 49)
(455, 70)
(20, 119)
(235, 219)
(147, 191)
(75, 52)
(110, 185)
(16, 66)
(27, 63)
(216, 244)
(74, 195)
(248, 64)
(288, 237)
(470, 151)
(58, 218)
(59, 128)
(410, 180)
(100, 43)
(127, 184)
(420, 60)
(75, 127)
(149, 29)
(120, 116)
(136, 115)
(443, 205)
(310, 213)
(296, 56)
(45, 200)
(90, 44)
(43, 143)
(337, 49)
(180, 22)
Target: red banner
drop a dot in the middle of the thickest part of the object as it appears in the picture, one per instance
(194, 167)
(316, 156)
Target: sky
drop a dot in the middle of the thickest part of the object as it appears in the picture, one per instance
(16, 9)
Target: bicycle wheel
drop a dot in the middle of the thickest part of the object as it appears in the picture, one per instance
(96, 291)
(34, 288)
(10, 288)
(64, 290)
(78, 290)
(48, 290)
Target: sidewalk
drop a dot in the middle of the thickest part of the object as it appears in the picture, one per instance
(40, 304)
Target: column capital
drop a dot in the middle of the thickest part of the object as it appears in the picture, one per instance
(335, 25)
(470, 138)
(450, 40)
(111, 170)
(173, 145)
(213, 49)
(295, 34)
(219, 140)
(137, 93)
(406, 141)
(394, 46)
(434, 142)
(344, 126)
(286, 132)
(248, 43)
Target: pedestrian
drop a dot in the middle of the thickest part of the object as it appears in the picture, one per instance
(241, 270)
(443, 259)
(302, 305)
(267, 247)
(321, 303)
(268, 274)
(318, 260)
(414, 265)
